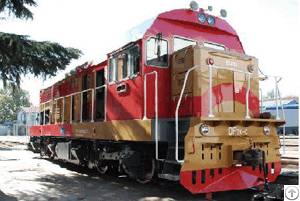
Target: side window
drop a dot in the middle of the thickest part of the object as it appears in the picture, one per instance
(112, 70)
(85, 82)
(133, 61)
(124, 64)
(214, 46)
(100, 80)
(157, 52)
(42, 118)
(180, 43)
(47, 116)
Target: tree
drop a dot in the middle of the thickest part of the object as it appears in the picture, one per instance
(19, 55)
(11, 102)
(17, 8)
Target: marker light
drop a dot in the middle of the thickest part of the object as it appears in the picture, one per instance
(266, 130)
(204, 129)
(223, 13)
(194, 6)
(210, 61)
(211, 20)
(202, 17)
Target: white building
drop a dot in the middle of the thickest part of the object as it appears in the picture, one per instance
(290, 108)
(26, 117)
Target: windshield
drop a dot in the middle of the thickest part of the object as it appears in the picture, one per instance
(180, 43)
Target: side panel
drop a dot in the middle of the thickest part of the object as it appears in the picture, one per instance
(128, 105)
(130, 130)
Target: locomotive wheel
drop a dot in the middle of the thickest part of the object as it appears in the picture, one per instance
(101, 168)
(140, 168)
(147, 172)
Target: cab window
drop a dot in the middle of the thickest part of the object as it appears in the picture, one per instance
(124, 64)
(113, 73)
(180, 43)
(214, 46)
(157, 52)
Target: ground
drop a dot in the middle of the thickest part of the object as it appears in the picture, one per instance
(25, 176)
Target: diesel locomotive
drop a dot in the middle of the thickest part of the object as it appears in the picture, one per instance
(180, 103)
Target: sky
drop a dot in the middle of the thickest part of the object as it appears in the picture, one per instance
(267, 29)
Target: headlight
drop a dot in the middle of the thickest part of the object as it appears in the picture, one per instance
(202, 17)
(266, 130)
(204, 129)
(250, 68)
(211, 20)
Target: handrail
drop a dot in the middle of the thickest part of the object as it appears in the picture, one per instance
(282, 111)
(210, 114)
(176, 111)
(277, 80)
(247, 97)
(156, 108)
(81, 104)
(81, 98)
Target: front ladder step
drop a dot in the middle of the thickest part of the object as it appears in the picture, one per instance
(171, 168)
(170, 177)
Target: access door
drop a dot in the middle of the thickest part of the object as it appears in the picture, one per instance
(100, 95)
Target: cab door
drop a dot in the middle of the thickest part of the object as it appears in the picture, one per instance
(124, 91)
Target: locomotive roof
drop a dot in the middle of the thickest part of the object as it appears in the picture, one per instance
(179, 15)
(191, 17)
(184, 16)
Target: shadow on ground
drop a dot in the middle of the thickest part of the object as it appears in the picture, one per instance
(4, 197)
(88, 185)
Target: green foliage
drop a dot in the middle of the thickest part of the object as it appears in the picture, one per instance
(20, 55)
(17, 8)
(11, 101)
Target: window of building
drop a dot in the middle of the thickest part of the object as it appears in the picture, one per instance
(180, 43)
(157, 52)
